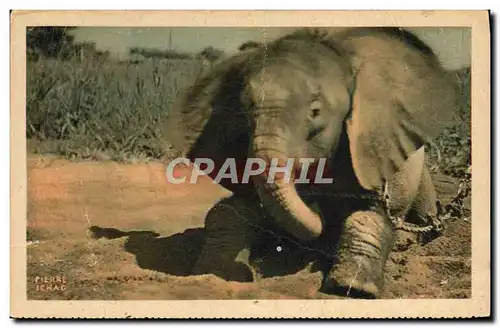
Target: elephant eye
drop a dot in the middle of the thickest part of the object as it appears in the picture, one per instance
(316, 123)
(315, 110)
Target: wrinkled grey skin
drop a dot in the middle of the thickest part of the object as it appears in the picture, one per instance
(366, 100)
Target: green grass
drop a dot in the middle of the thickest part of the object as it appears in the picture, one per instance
(103, 110)
(108, 110)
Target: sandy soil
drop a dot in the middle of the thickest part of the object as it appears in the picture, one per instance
(111, 231)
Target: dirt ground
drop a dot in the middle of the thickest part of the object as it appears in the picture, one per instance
(107, 231)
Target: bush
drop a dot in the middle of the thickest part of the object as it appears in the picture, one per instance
(453, 153)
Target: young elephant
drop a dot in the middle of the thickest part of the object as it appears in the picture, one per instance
(366, 100)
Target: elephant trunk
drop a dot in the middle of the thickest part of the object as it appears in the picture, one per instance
(280, 197)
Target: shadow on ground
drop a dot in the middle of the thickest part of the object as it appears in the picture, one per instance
(177, 254)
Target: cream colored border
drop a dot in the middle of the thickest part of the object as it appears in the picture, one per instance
(478, 305)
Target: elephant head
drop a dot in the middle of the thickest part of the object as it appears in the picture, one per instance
(294, 97)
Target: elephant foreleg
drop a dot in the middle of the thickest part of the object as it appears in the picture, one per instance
(230, 232)
(364, 246)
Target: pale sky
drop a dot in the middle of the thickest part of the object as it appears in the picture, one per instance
(452, 45)
(185, 39)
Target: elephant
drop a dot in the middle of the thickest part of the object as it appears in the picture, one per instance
(366, 100)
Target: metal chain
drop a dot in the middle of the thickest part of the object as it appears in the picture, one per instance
(437, 221)
(399, 223)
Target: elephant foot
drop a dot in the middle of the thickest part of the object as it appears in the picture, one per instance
(243, 258)
(360, 277)
(364, 246)
(237, 269)
(230, 232)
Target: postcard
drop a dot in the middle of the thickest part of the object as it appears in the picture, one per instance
(250, 164)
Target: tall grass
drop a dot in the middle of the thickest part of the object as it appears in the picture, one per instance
(103, 110)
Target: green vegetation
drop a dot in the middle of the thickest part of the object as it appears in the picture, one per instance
(103, 109)
(451, 153)
(83, 104)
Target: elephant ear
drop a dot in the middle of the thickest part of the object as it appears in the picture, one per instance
(208, 119)
(401, 99)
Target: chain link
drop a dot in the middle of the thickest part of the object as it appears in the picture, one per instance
(399, 223)
(437, 221)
